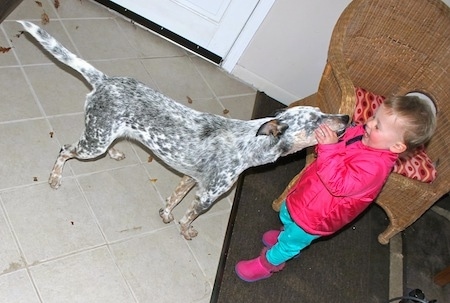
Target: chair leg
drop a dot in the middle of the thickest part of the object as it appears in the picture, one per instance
(398, 219)
(443, 277)
(385, 236)
(276, 204)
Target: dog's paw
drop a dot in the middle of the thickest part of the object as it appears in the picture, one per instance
(119, 157)
(166, 216)
(189, 232)
(116, 154)
(54, 181)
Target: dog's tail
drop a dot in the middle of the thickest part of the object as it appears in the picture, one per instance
(61, 53)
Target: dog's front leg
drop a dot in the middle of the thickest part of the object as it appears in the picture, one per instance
(185, 223)
(201, 203)
(181, 190)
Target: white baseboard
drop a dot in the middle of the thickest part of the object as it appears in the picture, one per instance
(265, 86)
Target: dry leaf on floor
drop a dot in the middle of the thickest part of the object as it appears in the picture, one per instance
(150, 159)
(4, 49)
(44, 18)
(189, 99)
(39, 3)
(153, 180)
(225, 111)
(56, 3)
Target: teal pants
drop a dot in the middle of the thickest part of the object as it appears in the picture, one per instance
(291, 240)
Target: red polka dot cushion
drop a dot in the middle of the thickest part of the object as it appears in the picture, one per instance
(419, 166)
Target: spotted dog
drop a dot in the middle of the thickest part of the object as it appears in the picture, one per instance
(210, 150)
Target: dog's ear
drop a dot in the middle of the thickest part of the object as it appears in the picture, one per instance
(272, 128)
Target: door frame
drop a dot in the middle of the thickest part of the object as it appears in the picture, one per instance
(243, 40)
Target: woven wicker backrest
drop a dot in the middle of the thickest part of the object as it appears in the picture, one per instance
(392, 47)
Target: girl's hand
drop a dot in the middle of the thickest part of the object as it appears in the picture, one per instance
(325, 135)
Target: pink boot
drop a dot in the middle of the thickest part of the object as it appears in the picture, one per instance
(270, 238)
(256, 269)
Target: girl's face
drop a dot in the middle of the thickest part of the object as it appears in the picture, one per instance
(384, 131)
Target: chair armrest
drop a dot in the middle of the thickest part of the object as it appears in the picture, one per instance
(336, 92)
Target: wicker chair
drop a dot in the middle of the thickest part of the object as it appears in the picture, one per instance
(392, 47)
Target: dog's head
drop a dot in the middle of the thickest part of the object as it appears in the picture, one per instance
(295, 127)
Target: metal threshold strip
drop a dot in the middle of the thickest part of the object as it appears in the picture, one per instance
(160, 30)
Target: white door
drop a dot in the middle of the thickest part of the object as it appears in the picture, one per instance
(210, 24)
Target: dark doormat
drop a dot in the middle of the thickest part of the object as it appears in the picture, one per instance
(426, 250)
(350, 266)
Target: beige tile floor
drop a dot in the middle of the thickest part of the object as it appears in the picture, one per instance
(99, 237)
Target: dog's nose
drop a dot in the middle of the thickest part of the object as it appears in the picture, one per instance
(346, 119)
(340, 132)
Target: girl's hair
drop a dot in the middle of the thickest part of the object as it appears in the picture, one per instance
(418, 117)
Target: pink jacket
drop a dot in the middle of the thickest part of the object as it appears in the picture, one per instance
(339, 184)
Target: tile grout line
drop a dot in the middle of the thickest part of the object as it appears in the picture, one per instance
(215, 98)
(70, 177)
(28, 82)
(25, 264)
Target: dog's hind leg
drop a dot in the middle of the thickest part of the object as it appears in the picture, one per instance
(82, 150)
(180, 192)
(67, 152)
